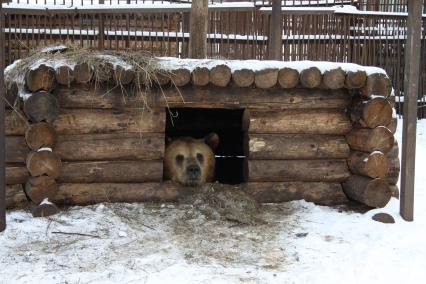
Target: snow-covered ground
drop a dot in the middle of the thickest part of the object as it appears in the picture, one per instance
(143, 243)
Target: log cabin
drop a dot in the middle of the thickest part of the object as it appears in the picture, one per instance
(322, 132)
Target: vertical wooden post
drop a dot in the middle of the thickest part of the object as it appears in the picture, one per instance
(411, 88)
(185, 29)
(198, 29)
(275, 46)
(2, 133)
(101, 31)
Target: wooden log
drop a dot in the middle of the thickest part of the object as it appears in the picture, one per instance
(355, 79)
(243, 78)
(112, 171)
(378, 85)
(393, 125)
(15, 196)
(181, 77)
(300, 121)
(392, 100)
(16, 149)
(64, 75)
(394, 152)
(368, 191)
(15, 124)
(43, 210)
(220, 75)
(288, 78)
(265, 79)
(16, 174)
(395, 190)
(40, 135)
(392, 176)
(211, 97)
(198, 24)
(97, 147)
(298, 170)
(123, 76)
(89, 193)
(200, 76)
(44, 163)
(334, 79)
(81, 121)
(39, 188)
(83, 73)
(311, 77)
(41, 106)
(297, 146)
(370, 140)
(103, 71)
(371, 113)
(161, 78)
(41, 78)
(321, 193)
(374, 165)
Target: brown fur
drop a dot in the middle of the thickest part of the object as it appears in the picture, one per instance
(177, 169)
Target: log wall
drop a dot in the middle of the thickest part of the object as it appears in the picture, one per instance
(322, 137)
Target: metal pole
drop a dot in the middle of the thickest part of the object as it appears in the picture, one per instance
(2, 134)
(276, 31)
(411, 89)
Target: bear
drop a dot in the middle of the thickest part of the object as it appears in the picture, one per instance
(189, 161)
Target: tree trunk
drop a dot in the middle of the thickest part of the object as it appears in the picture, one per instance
(370, 140)
(181, 77)
(16, 149)
(334, 79)
(378, 85)
(368, 191)
(41, 106)
(304, 121)
(15, 196)
(98, 147)
(311, 78)
(112, 171)
(16, 175)
(371, 113)
(81, 121)
(288, 78)
(265, 79)
(243, 77)
(89, 193)
(297, 146)
(64, 75)
(39, 188)
(41, 78)
(44, 163)
(220, 75)
(198, 29)
(355, 80)
(298, 170)
(200, 76)
(321, 193)
(374, 165)
(40, 135)
(83, 73)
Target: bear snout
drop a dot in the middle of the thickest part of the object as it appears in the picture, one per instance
(193, 171)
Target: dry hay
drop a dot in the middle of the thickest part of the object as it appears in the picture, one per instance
(147, 70)
(224, 202)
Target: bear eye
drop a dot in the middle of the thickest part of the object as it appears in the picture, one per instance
(200, 157)
(179, 158)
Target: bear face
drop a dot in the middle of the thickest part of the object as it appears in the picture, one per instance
(191, 161)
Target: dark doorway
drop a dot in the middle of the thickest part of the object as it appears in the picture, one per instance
(231, 162)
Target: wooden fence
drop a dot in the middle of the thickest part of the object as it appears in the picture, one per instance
(367, 34)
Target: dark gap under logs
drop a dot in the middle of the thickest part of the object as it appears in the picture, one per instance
(231, 162)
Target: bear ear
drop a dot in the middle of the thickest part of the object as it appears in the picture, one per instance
(212, 139)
